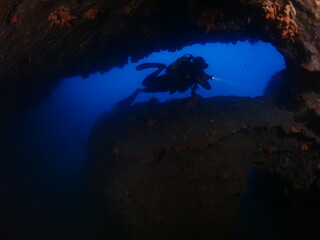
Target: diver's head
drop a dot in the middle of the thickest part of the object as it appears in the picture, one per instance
(200, 62)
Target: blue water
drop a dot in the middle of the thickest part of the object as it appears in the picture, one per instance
(48, 143)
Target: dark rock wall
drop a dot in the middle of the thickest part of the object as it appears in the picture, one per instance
(178, 171)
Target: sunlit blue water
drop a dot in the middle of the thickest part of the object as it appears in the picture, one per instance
(49, 141)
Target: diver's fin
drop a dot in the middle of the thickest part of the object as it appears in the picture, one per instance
(150, 65)
(127, 101)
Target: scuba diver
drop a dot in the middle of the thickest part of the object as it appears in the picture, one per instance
(186, 72)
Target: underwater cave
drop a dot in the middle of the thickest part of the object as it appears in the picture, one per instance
(237, 160)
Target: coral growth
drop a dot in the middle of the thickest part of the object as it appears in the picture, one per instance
(304, 146)
(271, 9)
(317, 3)
(91, 14)
(287, 22)
(271, 149)
(284, 18)
(142, 8)
(132, 8)
(208, 19)
(62, 17)
(296, 129)
(116, 150)
(15, 18)
(312, 101)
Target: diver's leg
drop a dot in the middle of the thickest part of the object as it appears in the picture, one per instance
(127, 101)
(148, 80)
(149, 65)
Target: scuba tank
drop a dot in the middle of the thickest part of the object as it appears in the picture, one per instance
(177, 66)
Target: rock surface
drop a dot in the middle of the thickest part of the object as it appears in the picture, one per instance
(178, 171)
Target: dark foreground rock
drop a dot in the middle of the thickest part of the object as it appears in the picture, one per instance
(178, 170)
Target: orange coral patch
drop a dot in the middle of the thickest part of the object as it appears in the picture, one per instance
(271, 9)
(271, 149)
(284, 18)
(296, 129)
(62, 17)
(116, 150)
(308, 68)
(132, 8)
(225, 176)
(203, 147)
(15, 18)
(304, 147)
(91, 14)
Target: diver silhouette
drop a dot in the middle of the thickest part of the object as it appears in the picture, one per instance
(186, 72)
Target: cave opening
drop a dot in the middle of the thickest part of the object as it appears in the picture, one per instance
(51, 138)
(65, 119)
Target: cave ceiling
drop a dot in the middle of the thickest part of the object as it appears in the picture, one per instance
(43, 41)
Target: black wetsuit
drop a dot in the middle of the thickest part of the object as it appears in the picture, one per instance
(179, 76)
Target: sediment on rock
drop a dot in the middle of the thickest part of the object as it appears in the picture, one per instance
(171, 166)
